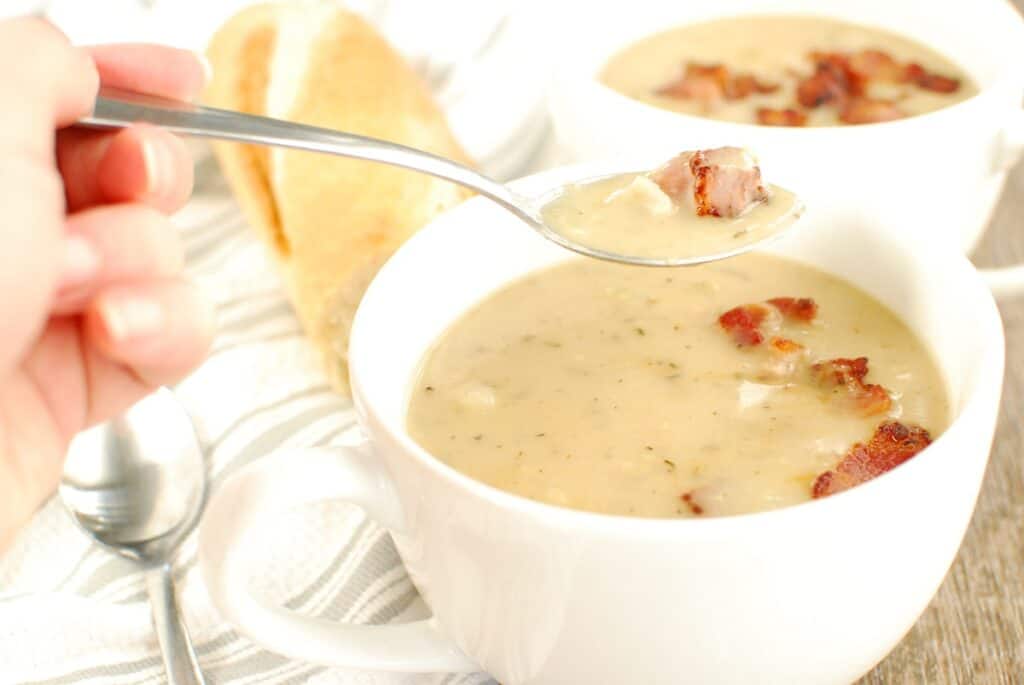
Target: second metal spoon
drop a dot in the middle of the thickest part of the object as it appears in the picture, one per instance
(137, 485)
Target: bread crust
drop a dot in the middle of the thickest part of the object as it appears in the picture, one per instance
(331, 222)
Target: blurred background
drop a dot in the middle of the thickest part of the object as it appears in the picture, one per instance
(473, 54)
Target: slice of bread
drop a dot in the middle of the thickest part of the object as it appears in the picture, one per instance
(331, 221)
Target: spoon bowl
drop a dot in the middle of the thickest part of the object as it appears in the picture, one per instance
(118, 109)
(644, 239)
(137, 485)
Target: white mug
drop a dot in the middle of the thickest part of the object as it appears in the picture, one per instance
(540, 595)
(938, 174)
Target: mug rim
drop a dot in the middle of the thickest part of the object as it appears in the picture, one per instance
(971, 411)
(586, 74)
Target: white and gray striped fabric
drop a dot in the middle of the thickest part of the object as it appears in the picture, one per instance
(72, 612)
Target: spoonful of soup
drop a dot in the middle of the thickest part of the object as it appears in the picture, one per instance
(699, 207)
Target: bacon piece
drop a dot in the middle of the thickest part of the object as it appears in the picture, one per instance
(938, 83)
(743, 323)
(874, 400)
(781, 357)
(892, 444)
(842, 370)
(721, 182)
(916, 74)
(675, 178)
(832, 81)
(705, 82)
(728, 182)
(875, 65)
(702, 179)
(712, 82)
(786, 346)
(701, 184)
(841, 78)
(690, 502)
(784, 358)
(848, 375)
(781, 117)
(797, 309)
(743, 85)
(862, 110)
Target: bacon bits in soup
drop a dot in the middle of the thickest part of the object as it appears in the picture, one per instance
(891, 445)
(728, 388)
(699, 203)
(787, 71)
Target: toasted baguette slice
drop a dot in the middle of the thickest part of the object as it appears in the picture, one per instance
(332, 222)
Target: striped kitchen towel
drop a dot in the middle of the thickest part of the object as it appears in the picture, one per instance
(72, 612)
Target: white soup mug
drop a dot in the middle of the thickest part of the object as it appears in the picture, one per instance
(540, 595)
(937, 175)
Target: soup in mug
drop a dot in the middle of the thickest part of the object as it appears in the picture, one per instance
(787, 71)
(728, 388)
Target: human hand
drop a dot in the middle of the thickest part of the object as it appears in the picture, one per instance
(96, 311)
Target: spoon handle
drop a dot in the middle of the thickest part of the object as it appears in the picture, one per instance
(179, 657)
(118, 109)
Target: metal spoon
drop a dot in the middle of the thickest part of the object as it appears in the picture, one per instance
(137, 486)
(117, 109)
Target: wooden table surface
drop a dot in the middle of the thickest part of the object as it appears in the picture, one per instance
(973, 632)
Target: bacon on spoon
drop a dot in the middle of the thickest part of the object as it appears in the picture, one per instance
(723, 182)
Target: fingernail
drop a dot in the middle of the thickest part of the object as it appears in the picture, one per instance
(94, 74)
(80, 263)
(204, 61)
(158, 162)
(128, 317)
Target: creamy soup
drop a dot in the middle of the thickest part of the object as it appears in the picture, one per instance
(787, 70)
(657, 393)
(595, 213)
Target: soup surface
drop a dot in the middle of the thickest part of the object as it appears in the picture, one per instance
(642, 391)
(787, 70)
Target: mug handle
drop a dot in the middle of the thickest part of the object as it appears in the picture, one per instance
(1005, 281)
(1008, 281)
(283, 481)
